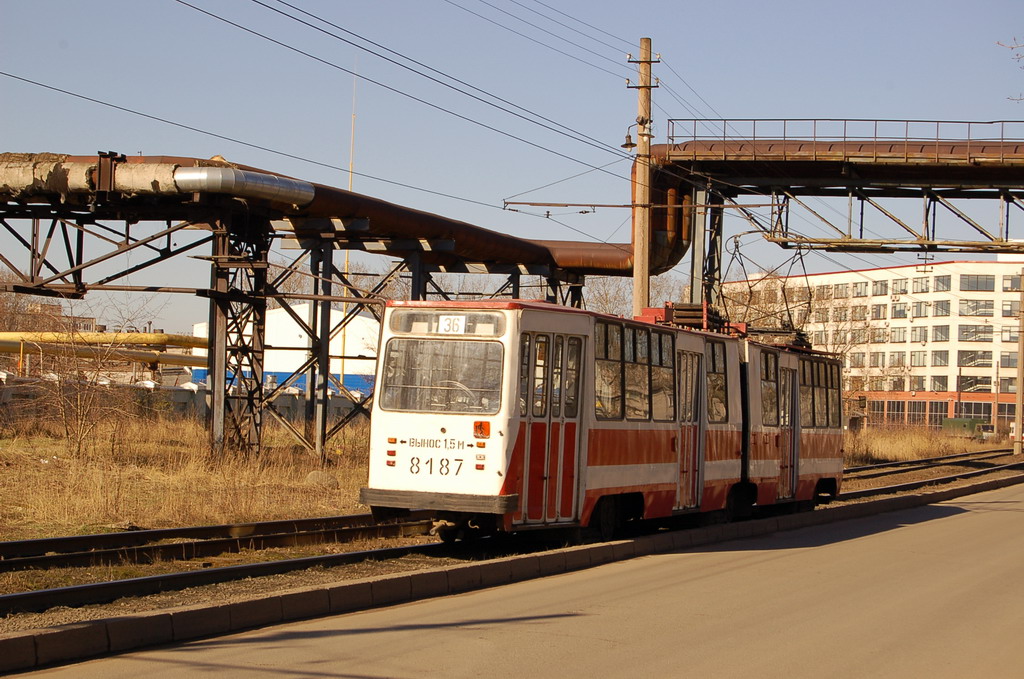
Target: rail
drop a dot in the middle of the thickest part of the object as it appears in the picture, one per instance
(105, 592)
(149, 545)
(913, 135)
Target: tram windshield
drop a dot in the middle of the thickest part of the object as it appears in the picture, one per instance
(442, 376)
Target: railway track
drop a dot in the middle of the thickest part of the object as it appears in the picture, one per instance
(139, 547)
(149, 546)
(977, 460)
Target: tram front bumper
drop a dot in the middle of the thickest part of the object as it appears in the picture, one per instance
(450, 502)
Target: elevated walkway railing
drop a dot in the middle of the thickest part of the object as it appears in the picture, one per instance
(800, 137)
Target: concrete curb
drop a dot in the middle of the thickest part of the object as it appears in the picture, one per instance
(31, 649)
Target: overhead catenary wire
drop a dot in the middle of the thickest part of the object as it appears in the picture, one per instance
(554, 126)
(532, 39)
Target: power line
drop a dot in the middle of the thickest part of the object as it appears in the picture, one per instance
(579, 21)
(569, 132)
(553, 35)
(398, 91)
(564, 25)
(532, 39)
(241, 142)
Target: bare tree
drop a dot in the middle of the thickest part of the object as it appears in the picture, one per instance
(1017, 50)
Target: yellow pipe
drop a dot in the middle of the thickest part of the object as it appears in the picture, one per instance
(113, 338)
(102, 354)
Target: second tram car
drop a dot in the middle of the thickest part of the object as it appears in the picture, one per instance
(507, 416)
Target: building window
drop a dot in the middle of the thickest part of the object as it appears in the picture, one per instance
(919, 309)
(918, 359)
(942, 283)
(1009, 333)
(919, 334)
(818, 338)
(823, 292)
(876, 384)
(940, 383)
(859, 336)
(917, 384)
(1011, 283)
(1007, 385)
(841, 290)
(897, 384)
(857, 359)
(878, 312)
(879, 335)
(898, 335)
(899, 310)
(941, 308)
(916, 410)
(840, 313)
(1011, 308)
(840, 337)
(897, 359)
(860, 289)
(974, 359)
(899, 286)
(940, 333)
(877, 359)
(880, 288)
(977, 307)
(975, 384)
(940, 358)
(975, 333)
(974, 410)
(977, 283)
(821, 315)
(876, 412)
(860, 313)
(1008, 359)
(1006, 413)
(921, 284)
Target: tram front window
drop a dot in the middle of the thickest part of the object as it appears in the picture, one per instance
(442, 376)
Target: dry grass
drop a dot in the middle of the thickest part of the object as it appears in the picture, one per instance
(159, 473)
(893, 445)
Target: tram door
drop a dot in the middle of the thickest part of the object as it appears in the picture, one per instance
(789, 442)
(549, 395)
(691, 429)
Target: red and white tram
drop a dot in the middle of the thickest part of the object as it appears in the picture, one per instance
(504, 416)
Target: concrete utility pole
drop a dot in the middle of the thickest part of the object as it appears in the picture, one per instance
(642, 186)
(1018, 416)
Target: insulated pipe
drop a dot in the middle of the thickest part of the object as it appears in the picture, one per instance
(102, 354)
(112, 338)
(23, 175)
(243, 183)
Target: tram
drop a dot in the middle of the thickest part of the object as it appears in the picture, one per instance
(517, 415)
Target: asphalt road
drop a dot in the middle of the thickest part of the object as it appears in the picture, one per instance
(931, 592)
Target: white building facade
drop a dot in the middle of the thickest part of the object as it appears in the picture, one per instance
(920, 342)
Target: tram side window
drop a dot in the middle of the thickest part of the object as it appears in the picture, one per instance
(820, 402)
(556, 378)
(524, 374)
(834, 396)
(608, 371)
(574, 349)
(663, 382)
(806, 393)
(638, 373)
(718, 410)
(689, 371)
(820, 394)
(769, 389)
(540, 375)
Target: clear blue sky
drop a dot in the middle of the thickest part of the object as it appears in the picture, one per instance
(935, 60)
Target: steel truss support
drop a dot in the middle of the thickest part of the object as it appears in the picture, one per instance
(849, 237)
(706, 249)
(238, 310)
